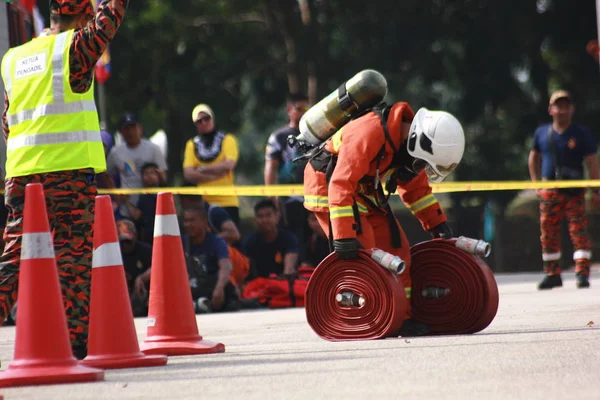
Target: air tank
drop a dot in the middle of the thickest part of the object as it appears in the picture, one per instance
(364, 90)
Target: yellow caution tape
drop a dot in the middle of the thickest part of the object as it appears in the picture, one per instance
(298, 190)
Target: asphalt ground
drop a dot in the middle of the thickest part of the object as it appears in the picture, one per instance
(541, 345)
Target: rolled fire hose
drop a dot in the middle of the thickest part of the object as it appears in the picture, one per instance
(354, 299)
(453, 289)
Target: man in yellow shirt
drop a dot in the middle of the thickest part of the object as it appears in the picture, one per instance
(210, 158)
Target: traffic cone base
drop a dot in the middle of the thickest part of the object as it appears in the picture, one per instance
(112, 340)
(43, 353)
(182, 348)
(172, 326)
(75, 373)
(126, 361)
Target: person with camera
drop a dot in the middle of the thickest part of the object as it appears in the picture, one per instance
(559, 152)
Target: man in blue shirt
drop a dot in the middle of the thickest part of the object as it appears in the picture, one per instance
(559, 152)
(208, 263)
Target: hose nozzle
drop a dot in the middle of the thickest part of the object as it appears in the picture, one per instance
(475, 247)
(350, 299)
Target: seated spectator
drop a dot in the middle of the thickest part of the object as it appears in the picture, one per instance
(271, 250)
(144, 211)
(221, 224)
(137, 260)
(208, 264)
(316, 247)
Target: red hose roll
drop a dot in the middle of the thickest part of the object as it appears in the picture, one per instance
(472, 302)
(380, 316)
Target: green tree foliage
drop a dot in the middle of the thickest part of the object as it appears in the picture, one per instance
(492, 63)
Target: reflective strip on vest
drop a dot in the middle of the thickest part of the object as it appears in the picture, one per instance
(52, 138)
(37, 246)
(51, 109)
(58, 91)
(107, 255)
(340, 212)
(7, 77)
(166, 225)
(422, 203)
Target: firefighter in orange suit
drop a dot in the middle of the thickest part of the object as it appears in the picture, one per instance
(388, 148)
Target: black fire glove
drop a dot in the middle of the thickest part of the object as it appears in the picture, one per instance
(441, 231)
(346, 249)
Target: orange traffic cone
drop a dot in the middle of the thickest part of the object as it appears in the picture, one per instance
(112, 339)
(172, 327)
(43, 352)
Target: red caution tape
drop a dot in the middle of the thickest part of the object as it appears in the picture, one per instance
(382, 313)
(471, 303)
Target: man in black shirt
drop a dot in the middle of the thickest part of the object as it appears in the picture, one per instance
(271, 250)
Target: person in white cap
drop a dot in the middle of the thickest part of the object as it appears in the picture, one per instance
(210, 158)
(391, 148)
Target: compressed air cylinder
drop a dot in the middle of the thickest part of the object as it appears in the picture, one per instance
(362, 91)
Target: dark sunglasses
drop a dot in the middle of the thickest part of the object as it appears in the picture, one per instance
(203, 119)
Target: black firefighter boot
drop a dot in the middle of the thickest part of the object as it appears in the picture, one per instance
(550, 281)
(583, 281)
(412, 328)
(553, 278)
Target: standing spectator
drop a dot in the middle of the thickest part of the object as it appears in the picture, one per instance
(144, 211)
(137, 262)
(271, 250)
(127, 159)
(210, 158)
(62, 150)
(559, 151)
(279, 167)
(208, 264)
(316, 247)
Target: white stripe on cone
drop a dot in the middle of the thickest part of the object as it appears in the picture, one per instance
(107, 255)
(166, 225)
(37, 246)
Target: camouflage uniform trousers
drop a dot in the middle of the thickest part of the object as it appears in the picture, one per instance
(70, 199)
(554, 205)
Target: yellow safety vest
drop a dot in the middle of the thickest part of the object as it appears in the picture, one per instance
(51, 128)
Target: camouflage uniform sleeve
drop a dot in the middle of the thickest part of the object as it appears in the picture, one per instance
(5, 129)
(90, 43)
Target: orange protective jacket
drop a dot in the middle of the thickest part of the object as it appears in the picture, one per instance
(357, 146)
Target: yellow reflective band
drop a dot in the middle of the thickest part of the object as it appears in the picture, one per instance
(340, 212)
(423, 203)
(407, 292)
(336, 140)
(316, 201)
(362, 209)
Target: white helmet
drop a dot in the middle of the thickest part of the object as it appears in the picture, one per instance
(437, 141)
